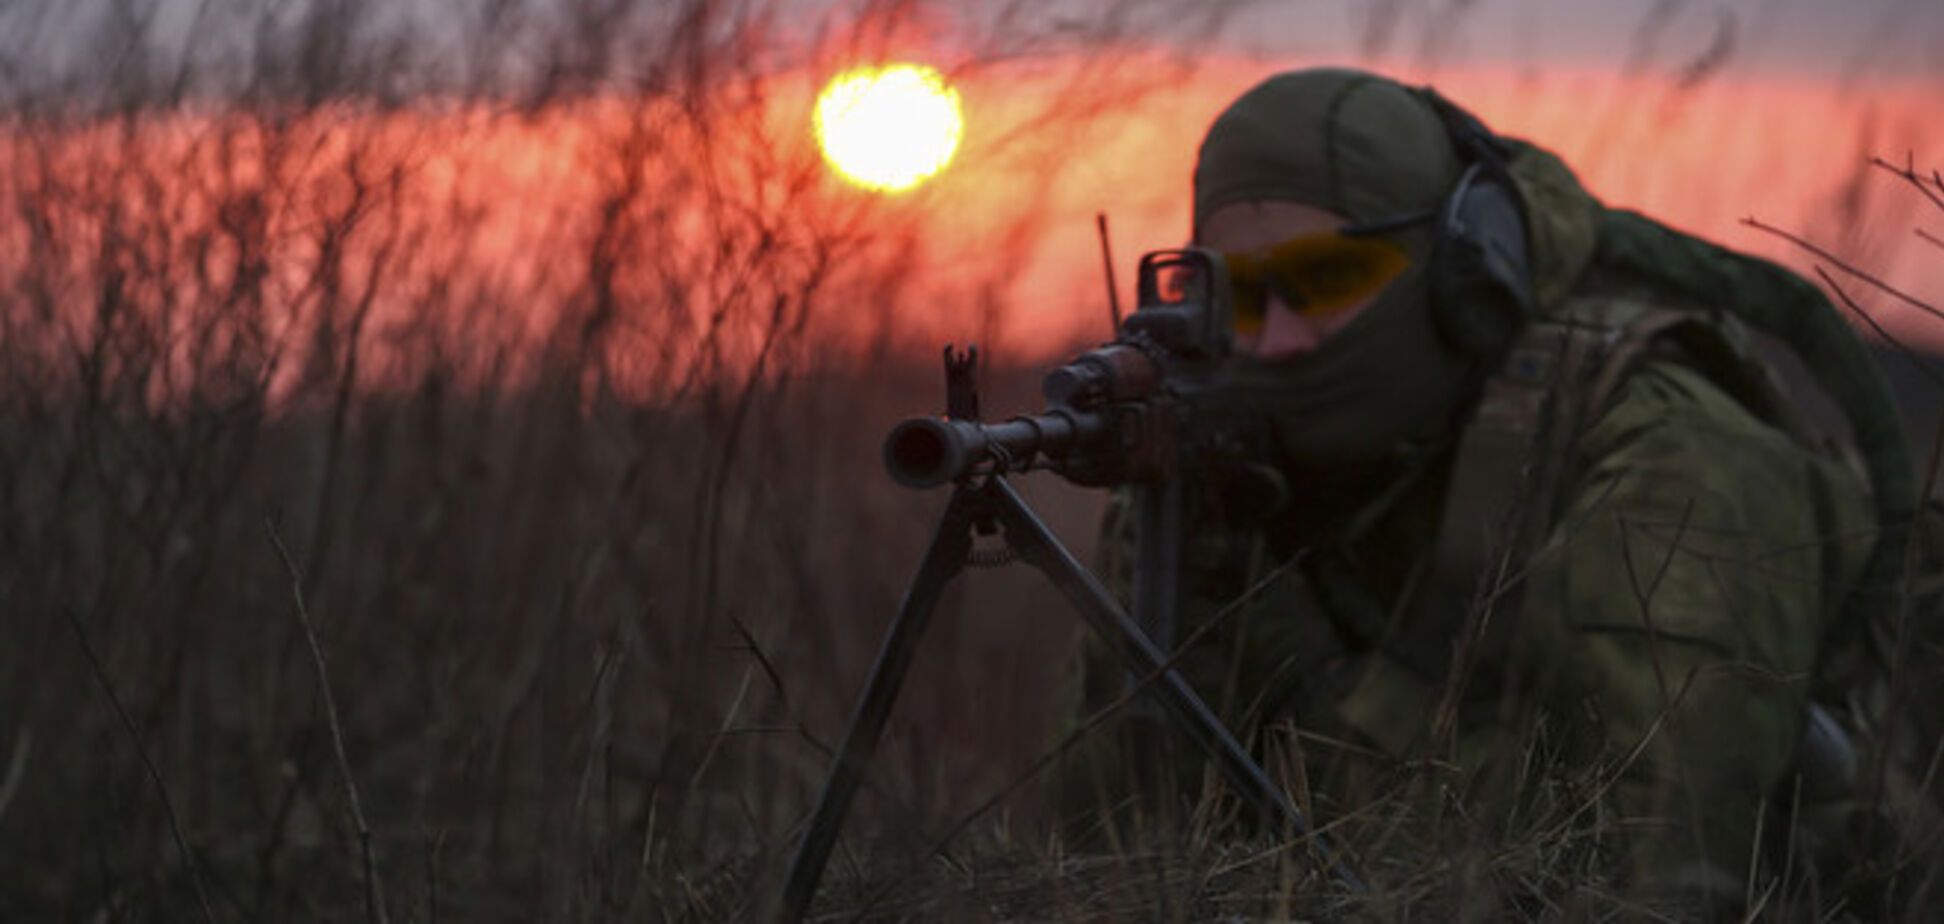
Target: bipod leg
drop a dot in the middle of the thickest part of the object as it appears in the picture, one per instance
(1040, 548)
(944, 559)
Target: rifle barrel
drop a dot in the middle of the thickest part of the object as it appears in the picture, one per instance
(925, 452)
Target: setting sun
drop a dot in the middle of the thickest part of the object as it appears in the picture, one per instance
(889, 128)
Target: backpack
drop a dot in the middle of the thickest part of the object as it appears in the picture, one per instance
(1875, 731)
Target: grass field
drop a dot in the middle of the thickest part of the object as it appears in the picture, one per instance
(428, 494)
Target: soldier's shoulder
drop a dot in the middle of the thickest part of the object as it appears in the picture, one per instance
(1677, 376)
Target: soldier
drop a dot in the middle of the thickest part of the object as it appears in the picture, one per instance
(1540, 494)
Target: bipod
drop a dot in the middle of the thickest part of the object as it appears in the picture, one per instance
(982, 502)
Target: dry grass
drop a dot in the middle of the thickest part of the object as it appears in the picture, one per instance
(595, 546)
(576, 562)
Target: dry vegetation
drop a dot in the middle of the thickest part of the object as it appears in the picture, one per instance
(373, 546)
(592, 535)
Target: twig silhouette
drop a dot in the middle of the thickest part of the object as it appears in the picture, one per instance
(1848, 269)
(16, 768)
(155, 775)
(374, 899)
(1903, 349)
(1908, 172)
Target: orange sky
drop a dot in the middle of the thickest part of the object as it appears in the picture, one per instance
(500, 205)
(1789, 154)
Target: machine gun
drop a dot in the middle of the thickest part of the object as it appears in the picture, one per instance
(1115, 413)
(1132, 412)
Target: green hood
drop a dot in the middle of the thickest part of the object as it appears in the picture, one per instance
(1368, 148)
(1360, 145)
(1386, 386)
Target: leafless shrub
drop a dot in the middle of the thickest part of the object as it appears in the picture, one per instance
(562, 367)
(569, 478)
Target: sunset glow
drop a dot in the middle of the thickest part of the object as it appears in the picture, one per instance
(478, 237)
(889, 128)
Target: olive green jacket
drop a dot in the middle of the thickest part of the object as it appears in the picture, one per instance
(1666, 619)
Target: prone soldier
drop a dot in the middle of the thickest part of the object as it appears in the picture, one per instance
(1535, 483)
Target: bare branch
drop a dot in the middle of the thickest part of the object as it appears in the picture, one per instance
(16, 768)
(1848, 268)
(374, 900)
(1908, 173)
(155, 775)
(1907, 353)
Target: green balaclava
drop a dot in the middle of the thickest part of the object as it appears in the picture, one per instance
(1366, 148)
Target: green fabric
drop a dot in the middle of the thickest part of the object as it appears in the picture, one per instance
(1360, 145)
(1698, 695)
(1678, 611)
(1366, 148)
(1571, 230)
(1681, 599)
(1382, 384)
(1562, 219)
(1789, 307)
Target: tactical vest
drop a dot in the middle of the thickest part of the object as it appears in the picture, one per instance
(1506, 484)
(1516, 454)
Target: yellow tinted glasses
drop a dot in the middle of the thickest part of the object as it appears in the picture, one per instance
(1315, 274)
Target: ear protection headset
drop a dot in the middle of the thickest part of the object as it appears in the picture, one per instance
(1481, 267)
